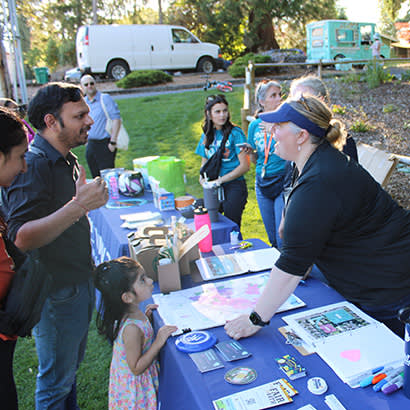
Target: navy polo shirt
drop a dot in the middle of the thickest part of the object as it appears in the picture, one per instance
(47, 186)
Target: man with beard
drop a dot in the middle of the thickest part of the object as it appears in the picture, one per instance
(46, 209)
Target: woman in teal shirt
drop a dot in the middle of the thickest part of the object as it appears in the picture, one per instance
(270, 169)
(235, 161)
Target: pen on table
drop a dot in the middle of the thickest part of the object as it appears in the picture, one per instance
(390, 376)
(384, 373)
(367, 381)
(393, 385)
(366, 375)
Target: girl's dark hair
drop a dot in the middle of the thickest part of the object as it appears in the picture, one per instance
(208, 125)
(112, 279)
(13, 130)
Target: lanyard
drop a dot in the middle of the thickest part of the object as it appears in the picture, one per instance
(267, 148)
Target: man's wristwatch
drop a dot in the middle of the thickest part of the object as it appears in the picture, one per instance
(256, 320)
(112, 143)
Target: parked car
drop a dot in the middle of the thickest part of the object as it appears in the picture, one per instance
(73, 75)
(116, 50)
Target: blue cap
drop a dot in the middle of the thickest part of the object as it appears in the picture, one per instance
(286, 113)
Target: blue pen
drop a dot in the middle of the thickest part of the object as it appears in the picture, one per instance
(390, 376)
(367, 380)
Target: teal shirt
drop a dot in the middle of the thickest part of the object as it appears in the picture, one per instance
(256, 139)
(230, 158)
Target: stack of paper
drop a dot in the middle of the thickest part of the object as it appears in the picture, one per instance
(349, 341)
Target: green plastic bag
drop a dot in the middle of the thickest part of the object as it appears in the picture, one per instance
(169, 171)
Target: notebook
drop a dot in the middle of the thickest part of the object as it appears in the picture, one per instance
(215, 267)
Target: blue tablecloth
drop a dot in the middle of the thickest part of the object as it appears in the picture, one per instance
(183, 387)
(110, 241)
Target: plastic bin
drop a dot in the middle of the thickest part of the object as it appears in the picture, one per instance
(344, 67)
(41, 74)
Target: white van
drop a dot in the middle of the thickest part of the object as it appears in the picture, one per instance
(116, 50)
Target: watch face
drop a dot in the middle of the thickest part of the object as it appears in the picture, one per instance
(254, 318)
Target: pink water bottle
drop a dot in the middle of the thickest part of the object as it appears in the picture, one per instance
(201, 217)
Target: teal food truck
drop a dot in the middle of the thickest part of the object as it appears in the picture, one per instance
(330, 40)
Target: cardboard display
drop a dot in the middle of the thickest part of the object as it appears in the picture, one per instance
(144, 248)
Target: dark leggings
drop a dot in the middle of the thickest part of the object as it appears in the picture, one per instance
(236, 194)
(8, 391)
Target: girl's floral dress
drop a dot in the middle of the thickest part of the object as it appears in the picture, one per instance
(127, 391)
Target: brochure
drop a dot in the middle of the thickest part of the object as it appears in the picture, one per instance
(233, 264)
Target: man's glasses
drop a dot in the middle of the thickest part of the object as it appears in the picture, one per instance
(87, 84)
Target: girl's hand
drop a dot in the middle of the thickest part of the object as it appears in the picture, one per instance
(247, 149)
(148, 310)
(164, 333)
(240, 327)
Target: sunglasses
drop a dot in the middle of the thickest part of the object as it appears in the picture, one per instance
(87, 84)
(212, 98)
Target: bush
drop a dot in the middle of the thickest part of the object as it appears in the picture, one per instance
(237, 69)
(376, 74)
(144, 77)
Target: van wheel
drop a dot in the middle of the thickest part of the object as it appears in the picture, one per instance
(206, 65)
(118, 69)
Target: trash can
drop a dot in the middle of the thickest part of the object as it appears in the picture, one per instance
(344, 67)
(41, 74)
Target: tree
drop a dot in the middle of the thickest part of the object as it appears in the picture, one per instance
(248, 25)
(389, 11)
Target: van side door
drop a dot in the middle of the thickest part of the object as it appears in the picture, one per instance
(159, 46)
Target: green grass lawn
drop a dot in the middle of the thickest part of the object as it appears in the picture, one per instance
(158, 125)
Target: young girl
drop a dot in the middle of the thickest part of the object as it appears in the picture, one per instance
(134, 366)
(217, 124)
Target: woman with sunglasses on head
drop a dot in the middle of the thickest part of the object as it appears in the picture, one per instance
(235, 162)
(13, 146)
(336, 216)
(270, 169)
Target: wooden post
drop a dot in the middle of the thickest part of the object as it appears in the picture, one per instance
(245, 110)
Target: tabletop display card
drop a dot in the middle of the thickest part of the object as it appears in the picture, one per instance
(349, 341)
(262, 397)
(233, 264)
(212, 304)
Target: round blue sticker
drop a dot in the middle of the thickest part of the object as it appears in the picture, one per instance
(195, 341)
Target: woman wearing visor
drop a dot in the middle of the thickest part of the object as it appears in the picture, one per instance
(336, 216)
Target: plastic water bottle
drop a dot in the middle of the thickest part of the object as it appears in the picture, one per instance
(201, 218)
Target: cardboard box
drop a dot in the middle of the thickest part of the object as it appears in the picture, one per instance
(169, 278)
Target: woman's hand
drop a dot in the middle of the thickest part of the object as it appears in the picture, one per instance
(240, 327)
(247, 148)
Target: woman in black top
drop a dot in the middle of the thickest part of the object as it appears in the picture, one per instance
(336, 216)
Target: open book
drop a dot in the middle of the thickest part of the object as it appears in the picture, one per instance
(233, 264)
(349, 341)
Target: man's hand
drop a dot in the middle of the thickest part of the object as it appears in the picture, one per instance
(92, 195)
